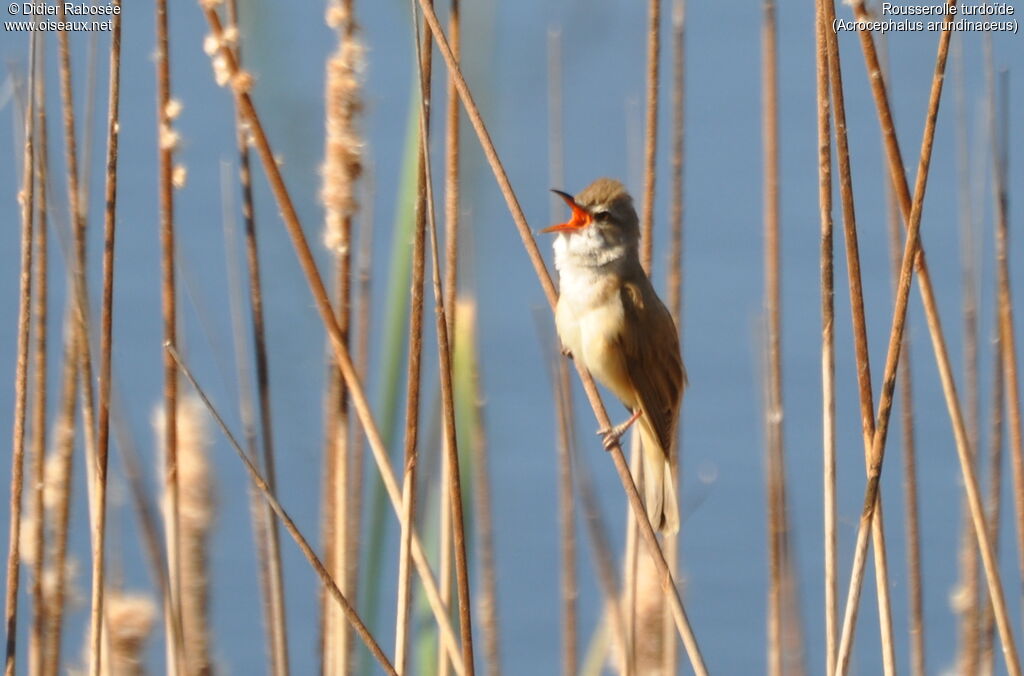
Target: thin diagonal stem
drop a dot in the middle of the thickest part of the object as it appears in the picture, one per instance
(261, 484)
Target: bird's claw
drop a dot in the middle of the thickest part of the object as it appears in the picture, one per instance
(610, 436)
(566, 352)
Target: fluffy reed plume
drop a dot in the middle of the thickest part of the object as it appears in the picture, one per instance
(649, 638)
(129, 622)
(195, 517)
(343, 163)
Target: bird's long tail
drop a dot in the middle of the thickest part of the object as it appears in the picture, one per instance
(659, 482)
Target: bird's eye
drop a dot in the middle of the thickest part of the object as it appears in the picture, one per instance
(603, 216)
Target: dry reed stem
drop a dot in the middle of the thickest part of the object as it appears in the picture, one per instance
(99, 529)
(148, 519)
(168, 294)
(859, 322)
(674, 279)
(270, 552)
(1007, 333)
(342, 167)
(40, 309)
(630, 563)
(415, 353)
(647, 532)
(450, 444)
(828, 356)
(987, 654)
(967, 594)
(912, 251)
(451, 272)
(364, 268)
(911, 511)
(487, 595)
(64, 442)
(566, 522)
(27, 200)
(998, 389)
(651, 131)
(240, 81)
(899, 181)
(563, 392)
(777, 511)
(261, 485)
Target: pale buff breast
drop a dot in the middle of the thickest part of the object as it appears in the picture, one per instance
(589, 318)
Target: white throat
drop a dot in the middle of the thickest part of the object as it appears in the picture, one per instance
(587, 250)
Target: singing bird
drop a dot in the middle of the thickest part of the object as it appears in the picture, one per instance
(609, 317)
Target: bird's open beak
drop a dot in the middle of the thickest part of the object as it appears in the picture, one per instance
(579, 220)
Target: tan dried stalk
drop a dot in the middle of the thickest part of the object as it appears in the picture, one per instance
(40, 309)
(968, 597)
(674, 279)
(260, 483)
(867, 406)
(647, 532)
(563, 392)
(99, 529)
(415, 354)
(828, 355)
(487, 593)
(167, 139)
(270, 542)
(451, 272)
(999, 136)
(26, 199)
(651, 131)
(342, 167)
(227, 70)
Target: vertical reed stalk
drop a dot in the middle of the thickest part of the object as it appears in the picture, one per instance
(412, 410)
(651, 131)
(777, 517)
(26, 199)
(260, 483)
(487, 594)
(646, 530)
(828, 355)
(563, 392)
(444, 353)
(166, 141)
(451, 271)
(968, 593)
(270, 549)
(342, 167)
(867, 406)
(999, 136)
(64, 443)
(106, 344)
(674, 281)
(364, 267)
(40, 309)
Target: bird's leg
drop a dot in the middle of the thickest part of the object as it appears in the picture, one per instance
(613, 434)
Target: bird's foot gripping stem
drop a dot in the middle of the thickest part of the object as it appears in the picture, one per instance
(611, 435)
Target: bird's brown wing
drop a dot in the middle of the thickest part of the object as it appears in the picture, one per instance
(650, 344)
